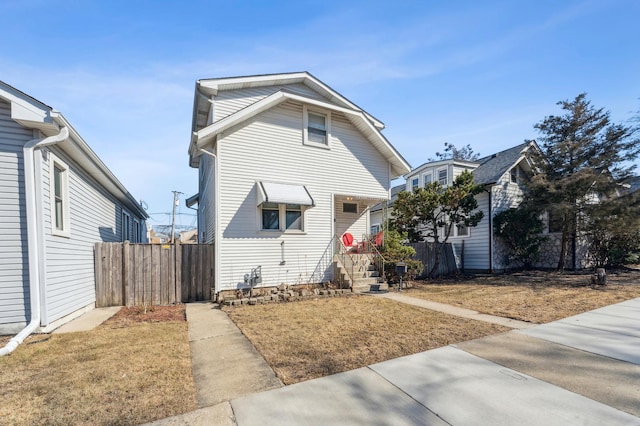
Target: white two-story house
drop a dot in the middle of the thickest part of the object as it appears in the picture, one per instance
(286, 165)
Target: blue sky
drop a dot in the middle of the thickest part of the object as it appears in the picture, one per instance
(465, 72)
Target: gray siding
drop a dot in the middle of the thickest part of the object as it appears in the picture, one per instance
(94, 216)
(269, 147)
(476, 245)
(14, 274)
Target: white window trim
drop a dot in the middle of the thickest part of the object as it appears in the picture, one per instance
(54, 162)
(417, 179)
(446, 169)
(282, 220)
(514, 171)
(305, 126)
(122, 226)
(430, 174)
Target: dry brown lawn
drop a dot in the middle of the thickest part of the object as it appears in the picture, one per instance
(315, 338)
(133, 369)
(536, 297)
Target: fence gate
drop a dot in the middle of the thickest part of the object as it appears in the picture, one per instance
(160, 274)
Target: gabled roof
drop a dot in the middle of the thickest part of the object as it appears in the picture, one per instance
(33, 114)
(364, 122)
(492, 167)
(211, 87)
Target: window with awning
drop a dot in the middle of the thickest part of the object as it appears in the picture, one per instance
(284, 193)
(282, 206)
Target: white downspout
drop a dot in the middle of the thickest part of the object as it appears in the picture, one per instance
(218, 233)
(32, 235)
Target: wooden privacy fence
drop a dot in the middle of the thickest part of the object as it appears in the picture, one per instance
(426, 252)
(159, 274)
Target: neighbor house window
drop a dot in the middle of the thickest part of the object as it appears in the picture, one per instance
(375, 229)
(349, 208)
(442, 177)
(426, 179)
(414, 183)
(136, 232)
(462, 230)
(126, 226)
(514, 175)
(554, 221)
(317, 127)
(59, 195)
(281, 217)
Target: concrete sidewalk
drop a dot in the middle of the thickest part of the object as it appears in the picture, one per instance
(580, 370)
(558, 377)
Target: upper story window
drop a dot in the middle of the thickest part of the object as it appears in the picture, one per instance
(443, 177)
(59, 186)
(317, 127)
(427, 179)
(414, 183)
(514, 175)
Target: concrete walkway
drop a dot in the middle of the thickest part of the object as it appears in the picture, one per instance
(225, 366)
(87, 321)
(454, 310)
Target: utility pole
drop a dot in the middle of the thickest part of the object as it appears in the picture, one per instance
(173, 215)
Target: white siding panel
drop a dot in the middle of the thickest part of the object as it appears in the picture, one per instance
(269, 147)
(14, 268)
(228, 102)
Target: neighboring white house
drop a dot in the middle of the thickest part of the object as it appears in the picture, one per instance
(285, 164)
(476, 248)
(57, 199)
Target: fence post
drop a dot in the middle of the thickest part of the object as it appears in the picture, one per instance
(178, 272)
(125, 273)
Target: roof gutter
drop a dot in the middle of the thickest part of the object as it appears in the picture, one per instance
(33, 236)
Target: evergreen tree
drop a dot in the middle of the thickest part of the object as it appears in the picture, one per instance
(430, 213)
(584, 156)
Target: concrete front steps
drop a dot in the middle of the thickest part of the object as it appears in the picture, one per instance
(365, 279)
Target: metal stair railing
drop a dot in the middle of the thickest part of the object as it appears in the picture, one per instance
(378, 258)
(325, 262)
(346, 260)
